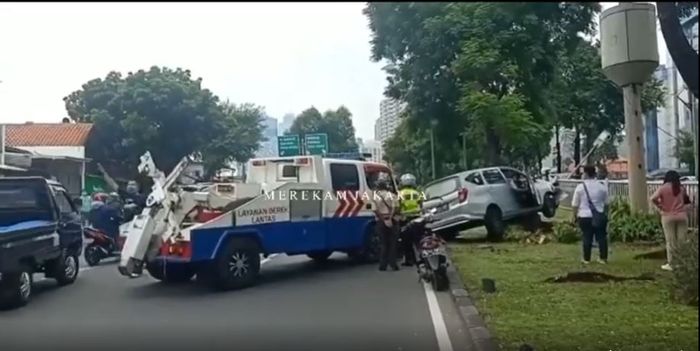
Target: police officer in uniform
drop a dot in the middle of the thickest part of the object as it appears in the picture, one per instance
(386, 209)
(410, 208)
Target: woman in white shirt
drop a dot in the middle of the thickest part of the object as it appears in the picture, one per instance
(595, 193)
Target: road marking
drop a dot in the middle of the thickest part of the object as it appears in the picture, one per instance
(443, 338)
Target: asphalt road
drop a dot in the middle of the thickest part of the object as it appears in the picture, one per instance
(298, 305)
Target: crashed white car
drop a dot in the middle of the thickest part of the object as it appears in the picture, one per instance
(490, 197)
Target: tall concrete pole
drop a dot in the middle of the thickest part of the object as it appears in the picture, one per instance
(636, 164)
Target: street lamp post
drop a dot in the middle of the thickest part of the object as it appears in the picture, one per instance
(433, 124)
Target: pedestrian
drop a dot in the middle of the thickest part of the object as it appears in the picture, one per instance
(590, 205)
(672, 201)
(387, 229)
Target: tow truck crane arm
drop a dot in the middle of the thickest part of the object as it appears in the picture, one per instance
(166, 207)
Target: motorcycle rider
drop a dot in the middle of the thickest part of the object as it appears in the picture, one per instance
(105, 216)
(410, 205)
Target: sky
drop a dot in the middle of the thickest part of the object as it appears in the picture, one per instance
(285, 57)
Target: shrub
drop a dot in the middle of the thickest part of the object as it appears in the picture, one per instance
(626, 226)
(567, 232)
(685, 270)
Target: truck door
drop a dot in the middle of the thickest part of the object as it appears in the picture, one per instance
(69, 222)
(342, 206)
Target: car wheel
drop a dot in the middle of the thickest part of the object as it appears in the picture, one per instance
(370, 251)
(549, 207)
(237, 266)
(170, 273)
(16, 288)
(495, 226)
(320, 257)
(65, 268)
(532, 222)
(92, 255)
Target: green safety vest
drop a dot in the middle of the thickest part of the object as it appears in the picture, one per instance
(410, 201)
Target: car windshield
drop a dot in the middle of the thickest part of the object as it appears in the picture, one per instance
(441, 188)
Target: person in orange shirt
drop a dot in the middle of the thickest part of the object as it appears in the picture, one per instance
(672, 201)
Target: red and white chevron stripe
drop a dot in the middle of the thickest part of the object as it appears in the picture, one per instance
(349, 205)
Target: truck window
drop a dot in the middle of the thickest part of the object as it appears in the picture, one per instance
(290, 171)
(344, 177)
(441, 188)
(64, 205)
(372, 176)
(508, 173)
(493, 176)
(475, 178)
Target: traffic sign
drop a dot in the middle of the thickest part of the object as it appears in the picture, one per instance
(289, 145)
(316, 143)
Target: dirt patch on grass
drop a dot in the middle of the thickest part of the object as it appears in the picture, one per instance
(659, 254)
(595, 277)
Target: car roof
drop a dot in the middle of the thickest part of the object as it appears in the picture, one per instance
(467, 172)
(33, 178)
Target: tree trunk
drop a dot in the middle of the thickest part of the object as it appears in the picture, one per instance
(684, 56)
(577, 147)
(493, 143)
(558, 150)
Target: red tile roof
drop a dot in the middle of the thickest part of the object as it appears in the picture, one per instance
(47, 134)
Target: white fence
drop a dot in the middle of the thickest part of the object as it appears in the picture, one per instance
(620, 188)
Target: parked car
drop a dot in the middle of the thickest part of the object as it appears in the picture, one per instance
(40, 232)
(490, 197)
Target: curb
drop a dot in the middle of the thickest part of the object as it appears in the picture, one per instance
(480, 335)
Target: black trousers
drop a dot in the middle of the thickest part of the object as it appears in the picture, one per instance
(408, 241)
(590, 232)
(388, 240)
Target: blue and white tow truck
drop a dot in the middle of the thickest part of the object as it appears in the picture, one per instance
(302, 205)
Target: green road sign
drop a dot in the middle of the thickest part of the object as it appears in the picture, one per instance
(289, 145)
(316, 143)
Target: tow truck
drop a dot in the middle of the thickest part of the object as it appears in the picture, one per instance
(300, 205)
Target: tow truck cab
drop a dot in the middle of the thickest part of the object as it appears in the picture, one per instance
(310, 205)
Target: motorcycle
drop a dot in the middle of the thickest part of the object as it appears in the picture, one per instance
(100, 246)
(430, 253)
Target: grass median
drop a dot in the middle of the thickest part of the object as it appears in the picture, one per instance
(627, 315)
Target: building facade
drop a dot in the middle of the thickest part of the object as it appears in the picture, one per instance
(389, 117)
(286, 123)
(268, 147)
(373, 148)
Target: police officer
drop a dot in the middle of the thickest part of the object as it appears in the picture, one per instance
(410, 206)
(385, 210)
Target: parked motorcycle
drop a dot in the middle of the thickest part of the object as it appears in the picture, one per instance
(430, 251)
(100, 246)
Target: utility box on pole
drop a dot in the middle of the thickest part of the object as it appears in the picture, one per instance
(629, 56)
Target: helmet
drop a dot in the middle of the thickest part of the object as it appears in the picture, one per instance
(408, 180)
(100, 197)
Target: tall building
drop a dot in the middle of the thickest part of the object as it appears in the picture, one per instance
(268, 147)
(286, 123)
(372, 147)
(389, 117)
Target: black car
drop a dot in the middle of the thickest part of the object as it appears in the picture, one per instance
(40, 232)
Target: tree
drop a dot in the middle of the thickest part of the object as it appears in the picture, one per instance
(241, 134)
(682, 53)
(458, 63)
(161, 110)
(685, 149)
(336, 124)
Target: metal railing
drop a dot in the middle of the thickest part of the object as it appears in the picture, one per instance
(620, 188)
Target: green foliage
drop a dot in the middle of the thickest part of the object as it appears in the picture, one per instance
(626, 226)
(567, 232)
(241, 133)
(685, 270)
(337, 124)
(162, 110)
(409, 152)
(685, 149)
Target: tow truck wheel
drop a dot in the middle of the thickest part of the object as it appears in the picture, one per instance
(16, 288)
(170, 273)
(369, 253)
(237, 265)
(320, 257)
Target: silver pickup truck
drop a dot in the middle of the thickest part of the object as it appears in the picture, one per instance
(490, 197)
